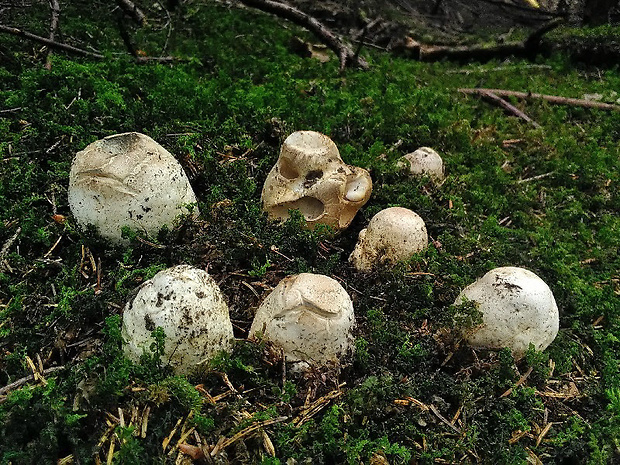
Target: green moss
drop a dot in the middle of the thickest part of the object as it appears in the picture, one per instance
(223, 113)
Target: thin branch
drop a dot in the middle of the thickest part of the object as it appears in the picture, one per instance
(55, 6)
(132, 10)
(57, 45)
(69, 48)
(549, 98)
(20, 382)
(508, 107)
(345, 54)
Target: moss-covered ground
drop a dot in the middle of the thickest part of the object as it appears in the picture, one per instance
(410, 394)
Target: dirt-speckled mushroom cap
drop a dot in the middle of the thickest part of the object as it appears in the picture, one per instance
(394, 234)
(311, 177)
(518, 309)
(424, 161)
(310, 316)
(127, 180)
(189, 306)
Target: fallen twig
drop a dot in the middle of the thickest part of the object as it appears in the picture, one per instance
(536, 178)
(345, 54)
(20, 382)
(508, 107)
(69, 48)
(549, 98)
(51, 43)
(244, 433)
(54, 5)
(518, 383)
(7, 245)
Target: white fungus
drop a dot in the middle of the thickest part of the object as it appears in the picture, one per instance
(127, 180)
(189, 306)
(518, 309)
(393, 235)
(310, 176)
(424, 161)
(310, 316)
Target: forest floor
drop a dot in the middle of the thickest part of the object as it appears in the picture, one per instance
(543, 197)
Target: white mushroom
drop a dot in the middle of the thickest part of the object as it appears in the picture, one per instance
(310, 316)
(127, 180)
(189, 306)
(424, 161)
(393, 235)
(310, 176)
(518, 309)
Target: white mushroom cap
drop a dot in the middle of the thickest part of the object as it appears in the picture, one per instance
(311, 177)
(310, 316)
(518, 309)
(127, 180)
(393, 235)
(189, 306)
(424, 161)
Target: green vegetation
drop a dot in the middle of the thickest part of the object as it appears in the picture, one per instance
(410, 393)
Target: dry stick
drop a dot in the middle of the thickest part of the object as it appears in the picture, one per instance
(132, 10)
(55, 6)
(25, 379)
(345, 54)
(244, 433)
(509, 107)
(549, 98)
(79, 51)
(51, 43)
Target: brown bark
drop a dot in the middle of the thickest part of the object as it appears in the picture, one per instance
(528, 47)
(132, 10)
(55, 6)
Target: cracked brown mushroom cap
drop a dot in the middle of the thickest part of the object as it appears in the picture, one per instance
(518, 309)
(189, 306)
(127, 180)
(311, 177)
(393, 235)
(310, 316)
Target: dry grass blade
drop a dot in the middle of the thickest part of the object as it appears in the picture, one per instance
(443, 419)
(221, 445)
(315, 407)
(543, 433)
(167, 440)
(518, 383)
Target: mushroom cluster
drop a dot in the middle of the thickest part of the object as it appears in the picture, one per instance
(130, 180)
